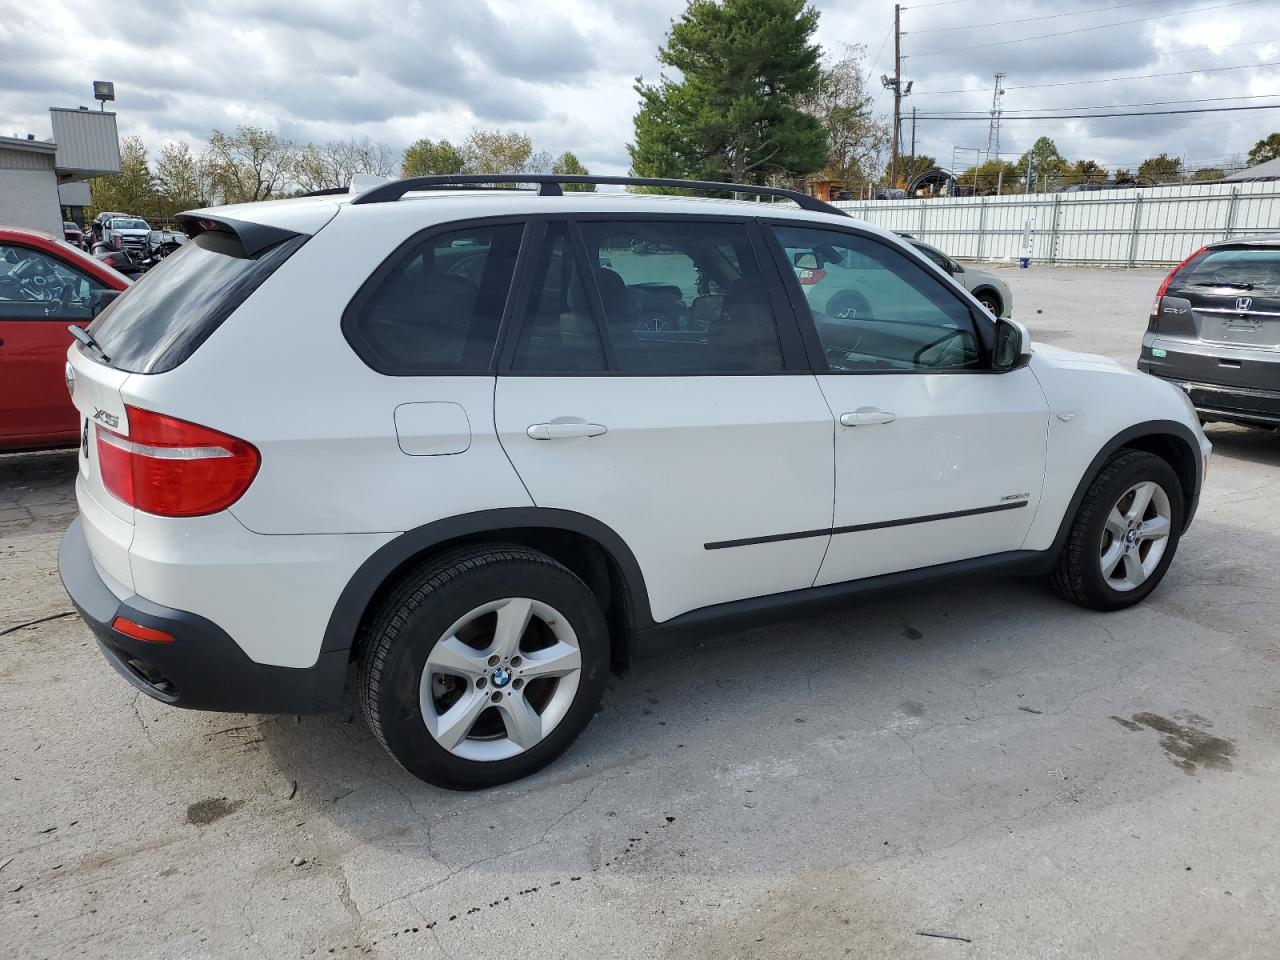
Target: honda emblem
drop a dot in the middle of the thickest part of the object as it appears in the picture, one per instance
(1244, 304)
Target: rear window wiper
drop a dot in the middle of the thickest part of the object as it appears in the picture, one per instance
(1233, 284)
(86, 338)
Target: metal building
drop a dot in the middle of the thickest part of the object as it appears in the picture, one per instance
(38, 178)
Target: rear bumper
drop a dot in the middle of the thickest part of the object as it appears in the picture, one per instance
(1214, 401)
(204, 668)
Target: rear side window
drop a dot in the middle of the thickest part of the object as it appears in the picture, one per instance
(1243, 268)
(176, 306)
(435, 307)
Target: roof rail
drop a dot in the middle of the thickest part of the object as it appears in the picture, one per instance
(549, 186)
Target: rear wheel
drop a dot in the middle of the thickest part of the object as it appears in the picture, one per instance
(483, 666)
(1124, 534)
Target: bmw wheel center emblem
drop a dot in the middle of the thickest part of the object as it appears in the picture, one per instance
(501, 677)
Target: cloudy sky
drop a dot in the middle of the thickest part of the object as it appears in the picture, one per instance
(563, 71)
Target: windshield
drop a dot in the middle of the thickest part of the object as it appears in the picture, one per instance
(121, 224)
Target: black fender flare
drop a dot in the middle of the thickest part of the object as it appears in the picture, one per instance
(386, 560)
(1139, 431)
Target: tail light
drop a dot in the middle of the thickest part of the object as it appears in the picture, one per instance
(1155, 305)
(173, 468)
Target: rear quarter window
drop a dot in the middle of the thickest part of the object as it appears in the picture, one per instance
(166, 315)
(435, 306)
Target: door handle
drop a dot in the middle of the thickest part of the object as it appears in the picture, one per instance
(866, 415)
(563, 431)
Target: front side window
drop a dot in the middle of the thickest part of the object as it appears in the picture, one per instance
(876, 309)
(35, 285)
(436, 309)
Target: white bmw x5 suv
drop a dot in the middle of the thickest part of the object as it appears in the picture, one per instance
(489, 444)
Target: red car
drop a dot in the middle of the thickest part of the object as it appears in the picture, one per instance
(45, 285)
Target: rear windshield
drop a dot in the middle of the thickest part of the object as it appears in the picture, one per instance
(174, 308)
(1252, 268)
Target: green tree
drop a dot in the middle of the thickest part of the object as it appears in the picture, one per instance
(1208, 173)
(133, 189)
(1084, 171)
(502, 151)
(183, 180)
(568, 163)
(909, 168)
(1047, 164)
(856, 139)
(991, 175)
(1161, 169)
(733, 112)
(1268, 148)
(251, 164)
(425, 158)
(1122, 175)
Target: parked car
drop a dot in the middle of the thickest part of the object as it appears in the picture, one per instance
(127, 233)
(99, 224)
(121, 261)
(311, 440)
(992, 292)
(1215, 331)
(72, 233)
(45, 284)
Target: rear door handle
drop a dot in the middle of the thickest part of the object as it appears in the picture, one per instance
(564, 431)
(866, 415)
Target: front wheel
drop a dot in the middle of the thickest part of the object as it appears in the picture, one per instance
(1124, 534)
(483, 666)
(991, 302)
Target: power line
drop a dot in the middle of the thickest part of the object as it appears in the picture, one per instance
(1099, 26)
(1112, 106)
(1076, 83)
(1047, 16)
(1143, 113)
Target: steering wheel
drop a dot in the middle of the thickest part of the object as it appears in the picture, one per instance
(848, 305)
(943, 355)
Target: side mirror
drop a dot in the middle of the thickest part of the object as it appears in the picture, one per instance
(101, 299)
(1013, 345)
(954, 268)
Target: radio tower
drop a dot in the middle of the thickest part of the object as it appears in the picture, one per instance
(993, 131)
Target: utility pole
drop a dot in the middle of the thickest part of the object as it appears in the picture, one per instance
(897, 91)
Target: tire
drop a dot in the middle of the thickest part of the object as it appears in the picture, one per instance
(1095, 535)
(991, 302)
(473, 598)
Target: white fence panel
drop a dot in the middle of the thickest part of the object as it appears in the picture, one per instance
(1133, 227)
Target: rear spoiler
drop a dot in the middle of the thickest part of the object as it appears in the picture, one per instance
(255, 237)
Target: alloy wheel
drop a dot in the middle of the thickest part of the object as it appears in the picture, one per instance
(500, 679)
(1135, 536)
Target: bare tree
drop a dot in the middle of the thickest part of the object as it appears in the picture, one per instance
(251, 164)
(332, 165)
(856, 138)
(502, 151)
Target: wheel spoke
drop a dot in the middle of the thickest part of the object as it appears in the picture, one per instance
(555, 661)
(1117, 526)
(1133, 569)
(1111, 558)
(1156, 528)
(1142, 494)
(452, 727)
(524, 726)
(452, 656)
(513, 620)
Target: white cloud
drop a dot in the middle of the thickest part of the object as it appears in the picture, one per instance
(564, 71)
